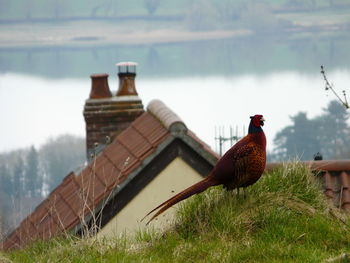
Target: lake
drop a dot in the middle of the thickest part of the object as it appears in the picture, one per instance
(207, 83)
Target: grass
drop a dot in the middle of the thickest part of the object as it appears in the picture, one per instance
(284, 218)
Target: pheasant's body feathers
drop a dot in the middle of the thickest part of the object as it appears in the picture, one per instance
(243, 164)
(240, 166)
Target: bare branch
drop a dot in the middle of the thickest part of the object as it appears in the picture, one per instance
(330, 87)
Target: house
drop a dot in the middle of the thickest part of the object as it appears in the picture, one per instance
(137, 159)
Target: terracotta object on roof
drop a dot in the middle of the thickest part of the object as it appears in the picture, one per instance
(127, 75)
(99, 87)
(335, 177)
(115, 176)
(106, 115)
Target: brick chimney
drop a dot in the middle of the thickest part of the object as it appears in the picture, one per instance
(107, 115)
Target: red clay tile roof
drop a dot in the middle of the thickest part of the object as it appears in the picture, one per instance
(335, 177)
(68, 207)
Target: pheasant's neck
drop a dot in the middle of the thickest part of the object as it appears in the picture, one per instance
(259, 138)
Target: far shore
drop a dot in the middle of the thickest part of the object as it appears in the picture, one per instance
(101, 33)
(96, 34)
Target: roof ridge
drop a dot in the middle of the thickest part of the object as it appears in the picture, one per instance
(169, 119)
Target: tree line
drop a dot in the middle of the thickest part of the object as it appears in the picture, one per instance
(197, 14)
(28, 175)
(63, 9)
(327, 134)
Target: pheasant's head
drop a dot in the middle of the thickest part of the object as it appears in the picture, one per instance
(256, 122)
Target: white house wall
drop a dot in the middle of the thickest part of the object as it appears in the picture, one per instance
(177, 176)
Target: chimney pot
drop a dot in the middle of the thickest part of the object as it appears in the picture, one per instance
(127, 67)
(127, 74)
(99, 86)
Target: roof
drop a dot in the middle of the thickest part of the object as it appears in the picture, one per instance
(335, 179)
(81, 196)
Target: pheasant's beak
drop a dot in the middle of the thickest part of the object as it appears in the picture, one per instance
(262, 121)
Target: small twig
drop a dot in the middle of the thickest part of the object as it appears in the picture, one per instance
(337, 216)
(346, 101)
(330, 87)
(341, 196)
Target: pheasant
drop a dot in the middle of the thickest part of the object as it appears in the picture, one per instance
(242, 165)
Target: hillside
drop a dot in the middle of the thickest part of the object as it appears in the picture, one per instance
(107, 22)
(36, 10)
(284, 218)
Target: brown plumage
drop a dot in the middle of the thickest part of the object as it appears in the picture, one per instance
(242, 165)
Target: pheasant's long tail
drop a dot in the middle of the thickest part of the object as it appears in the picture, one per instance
(194, 189)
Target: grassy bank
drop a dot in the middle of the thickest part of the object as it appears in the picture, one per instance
(284, 218)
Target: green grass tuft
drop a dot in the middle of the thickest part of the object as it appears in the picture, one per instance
(284, 217)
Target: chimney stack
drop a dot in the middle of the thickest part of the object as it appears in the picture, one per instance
(106, 115)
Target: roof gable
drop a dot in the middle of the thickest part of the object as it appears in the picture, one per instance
(156, 133)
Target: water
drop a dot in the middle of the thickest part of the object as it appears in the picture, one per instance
(34, 108)
(240, 56)
(206, 83)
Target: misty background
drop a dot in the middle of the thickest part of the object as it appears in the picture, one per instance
(214, 62)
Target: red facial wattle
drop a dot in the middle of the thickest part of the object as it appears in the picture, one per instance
(258, 120)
